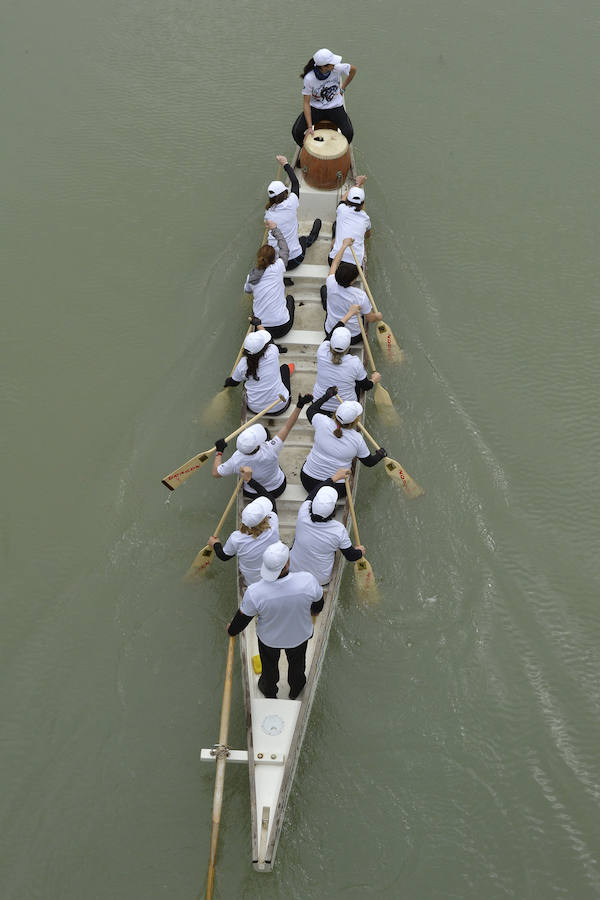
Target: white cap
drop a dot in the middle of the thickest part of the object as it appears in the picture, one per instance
(250, 439)
(324, 501)
(348, 411)
(356, 195)
(256, 511)
(274, 559)
(325, 57)
(256, 340)
(276, 188)
(340, 338)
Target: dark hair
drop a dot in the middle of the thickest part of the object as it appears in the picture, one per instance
(338, 431)
(315, 518)
(253, 360)
(310, 65)
(346, 273)
(265, 256)
(355, 206)
(278, 199)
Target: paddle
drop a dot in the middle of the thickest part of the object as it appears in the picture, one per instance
(221, 754)
(385, 335)
(396, 471)
(205, 556)
(363, 573)
(181, 474)
(219, 402)
(382, 399)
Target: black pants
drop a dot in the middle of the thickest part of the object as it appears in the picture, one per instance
(269, 658)
(285, 377)
(337, 115)
(277, 331)
(305, 241)
(272, 494)
(309, 483)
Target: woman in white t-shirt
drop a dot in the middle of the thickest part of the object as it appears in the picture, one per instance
(337, 442)
(265, 378)
(255, 449)
(319, 534)
(270, 305)
(260, 528)
(282, 208)
(342, 301)
(335, 364)
(351, 221)
(323, 94)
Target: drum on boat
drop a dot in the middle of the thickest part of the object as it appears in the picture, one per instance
(325, 158)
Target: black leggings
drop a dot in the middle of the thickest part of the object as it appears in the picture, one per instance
(309, 483)
(285, 377)
(337, 115)
(277, 331)
(273, 494)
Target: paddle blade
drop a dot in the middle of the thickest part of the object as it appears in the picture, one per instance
(200, 565)
(217, 407)
(385, 407)
(365, 579)
(401, 477)
(388, 344)
(181, 474)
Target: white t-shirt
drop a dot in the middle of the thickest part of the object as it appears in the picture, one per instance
(249, 550)
(339, 301)
(343, 376)
(326, 94)
(262, 392)
(329, 453)
(269, 295)
(315, 544)
(283, 608)
(286, 216)
(264, 464)
(350, 223)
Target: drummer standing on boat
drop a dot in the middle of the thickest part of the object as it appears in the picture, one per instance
(323, 92)
(283, 603)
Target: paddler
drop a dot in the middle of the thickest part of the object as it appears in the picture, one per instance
(282, 208)
(336, 364)
(259, 368)
(259, 529)
(255, 449)
(319, 534)
(265, 281)
(336, 444)
(283, 603)
(339, 297)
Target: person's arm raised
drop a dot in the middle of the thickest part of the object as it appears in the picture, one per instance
(303, 399)
(347, 242)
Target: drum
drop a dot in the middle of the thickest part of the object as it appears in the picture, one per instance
(325, 158)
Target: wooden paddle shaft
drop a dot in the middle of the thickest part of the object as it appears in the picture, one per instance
(366, 343)
(230, 437)
(228, 507)
(364, 280)
(239, 356)
(367, 435)
(220, 772)
(352, 510)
